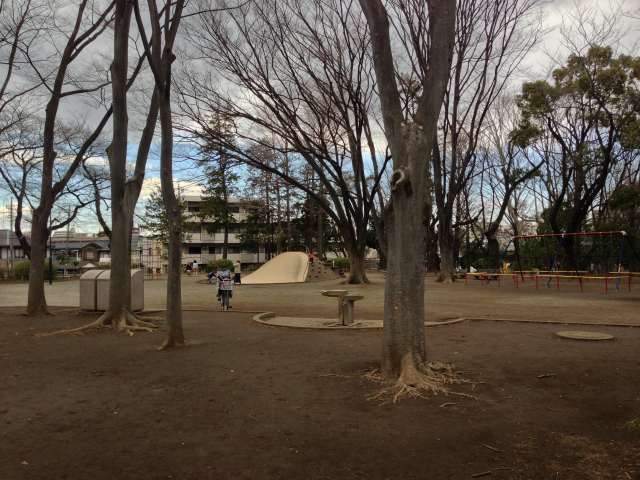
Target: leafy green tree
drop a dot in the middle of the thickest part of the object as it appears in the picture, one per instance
(155, 218)
(586, 125)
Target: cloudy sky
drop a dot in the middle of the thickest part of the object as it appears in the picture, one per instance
(558, 20)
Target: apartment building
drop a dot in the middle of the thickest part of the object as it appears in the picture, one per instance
(204, 242)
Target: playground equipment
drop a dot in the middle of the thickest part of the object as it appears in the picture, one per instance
(289, 267)
(580, 257)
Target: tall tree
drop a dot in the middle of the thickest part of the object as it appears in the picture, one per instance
(221, 179)
(60, 84)
(159, 53)
(505, 166)
(303, 70)
(585, 123)
(404, 351)
(492, 37)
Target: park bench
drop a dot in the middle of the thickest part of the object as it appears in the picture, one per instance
(346, 304)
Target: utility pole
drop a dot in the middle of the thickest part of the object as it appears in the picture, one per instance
(10, 233)
(50, 251)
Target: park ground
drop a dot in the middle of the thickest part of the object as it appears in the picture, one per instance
(249, 401)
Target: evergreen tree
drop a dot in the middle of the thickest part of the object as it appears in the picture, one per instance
(222, 179)
(155, 218)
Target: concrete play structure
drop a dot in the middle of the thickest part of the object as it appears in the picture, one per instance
(289, 267)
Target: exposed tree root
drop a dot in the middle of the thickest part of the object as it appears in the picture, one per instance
(123, 321)
(417, 381)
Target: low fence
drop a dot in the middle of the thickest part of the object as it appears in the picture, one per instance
(618, 280)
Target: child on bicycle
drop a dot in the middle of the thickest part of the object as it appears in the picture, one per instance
(225, 286)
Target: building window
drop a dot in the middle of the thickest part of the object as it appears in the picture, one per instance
(194, 250)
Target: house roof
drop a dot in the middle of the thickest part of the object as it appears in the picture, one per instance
(78, 245)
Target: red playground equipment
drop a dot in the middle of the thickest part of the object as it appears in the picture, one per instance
(552, 259)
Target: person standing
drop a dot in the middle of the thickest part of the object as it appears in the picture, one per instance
(237, 271)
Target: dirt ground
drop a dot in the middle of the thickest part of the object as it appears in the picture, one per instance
(248, 401)
(567, 304)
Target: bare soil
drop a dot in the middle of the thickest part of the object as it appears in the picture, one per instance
(568, 304)
(248, 401)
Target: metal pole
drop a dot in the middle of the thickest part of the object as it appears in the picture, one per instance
(50, 254)
(11, 235)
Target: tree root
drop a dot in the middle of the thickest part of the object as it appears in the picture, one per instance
(417, 381)
(123, 321)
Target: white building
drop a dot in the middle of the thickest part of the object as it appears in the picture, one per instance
(204, 242)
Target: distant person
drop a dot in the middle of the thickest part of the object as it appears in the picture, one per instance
(311, 257)
(210, 276)
(195, 267)
(237, 271)
(189, 268)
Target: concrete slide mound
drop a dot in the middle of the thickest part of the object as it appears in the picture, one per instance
(288, 267)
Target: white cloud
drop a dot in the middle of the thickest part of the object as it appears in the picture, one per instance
(182, 187)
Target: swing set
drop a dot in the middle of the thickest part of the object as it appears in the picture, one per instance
(550, 259)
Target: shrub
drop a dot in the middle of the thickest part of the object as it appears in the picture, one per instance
(341, 262)
(220, 264)
(21, 270)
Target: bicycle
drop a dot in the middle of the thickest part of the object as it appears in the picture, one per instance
(225, 296)
(226, 287)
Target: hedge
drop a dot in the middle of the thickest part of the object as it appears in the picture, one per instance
(21, 270)
(220, 264)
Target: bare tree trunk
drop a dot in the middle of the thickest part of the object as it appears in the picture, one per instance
(120, 282)
(37, 303)
(225, 240)
(357, 269)
(404, 350)
(160, 59)
(404, 343)
(381, 236)
(446, 246)
(175, 334)
(493, 249)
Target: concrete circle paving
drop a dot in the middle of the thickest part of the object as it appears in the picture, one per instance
(581, 335)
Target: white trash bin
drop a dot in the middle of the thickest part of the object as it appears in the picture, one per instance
(94, 290)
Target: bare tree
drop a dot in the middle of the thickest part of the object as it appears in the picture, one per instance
(492, 38)
(299, 73)
(86, 28)
(159, 53)
(504, 167)
(409, 137)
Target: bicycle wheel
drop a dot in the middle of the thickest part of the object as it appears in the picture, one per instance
(225, 300)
